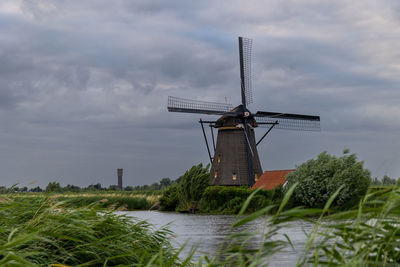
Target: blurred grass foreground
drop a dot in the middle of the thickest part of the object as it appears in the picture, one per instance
(133, 200)
(49, 231)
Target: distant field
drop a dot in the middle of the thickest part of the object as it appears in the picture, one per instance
(122, 200)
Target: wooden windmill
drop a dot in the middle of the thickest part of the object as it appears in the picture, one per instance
(235, 160)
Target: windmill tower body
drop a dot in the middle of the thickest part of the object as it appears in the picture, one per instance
(235, 161)
(229, 165)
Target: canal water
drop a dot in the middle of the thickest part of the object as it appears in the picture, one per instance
(208, 231)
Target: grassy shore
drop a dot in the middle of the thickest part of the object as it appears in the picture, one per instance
(43, 231)
(131, 200)
(39, 231)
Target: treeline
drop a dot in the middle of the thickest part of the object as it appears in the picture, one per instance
(192, 191)
(386, 180)
(315, 181)
(56, 187)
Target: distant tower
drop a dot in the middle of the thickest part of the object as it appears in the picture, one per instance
(119, 172)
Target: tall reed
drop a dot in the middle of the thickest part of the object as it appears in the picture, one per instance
(38, 232)
(366, 236)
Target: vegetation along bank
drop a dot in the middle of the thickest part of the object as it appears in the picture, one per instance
(40, 232)
(317, 179)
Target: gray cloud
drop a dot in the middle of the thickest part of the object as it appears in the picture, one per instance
(83, 85)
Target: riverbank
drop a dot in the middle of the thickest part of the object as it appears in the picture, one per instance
(215, 200)
(131, 200)
(41, 231)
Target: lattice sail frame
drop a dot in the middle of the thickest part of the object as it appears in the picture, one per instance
(298, 124)
(176, 104)
(248, 90)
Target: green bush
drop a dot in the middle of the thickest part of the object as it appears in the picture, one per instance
(170, 199)
(233, 205)
(189, 188)
(386, 180)
(53, 187)
(224, 199)
(319, 178)
(192, 185)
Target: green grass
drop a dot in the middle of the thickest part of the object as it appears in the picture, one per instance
(113, 202)
(366, 236)
(95, 192)
(103, 199)
(39, 232)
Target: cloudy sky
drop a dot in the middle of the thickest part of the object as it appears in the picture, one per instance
(84, 84)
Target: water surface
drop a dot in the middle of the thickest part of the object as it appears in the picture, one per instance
(208, 231)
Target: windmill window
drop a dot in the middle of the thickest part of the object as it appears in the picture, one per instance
(215, 174)
(256, 177)
(234, 176)
(219, 159)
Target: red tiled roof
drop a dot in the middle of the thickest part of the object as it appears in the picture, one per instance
(272, 179)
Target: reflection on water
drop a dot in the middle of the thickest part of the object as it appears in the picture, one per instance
(208, 231)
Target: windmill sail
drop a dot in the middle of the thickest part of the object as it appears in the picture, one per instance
(247, 97)
(176, 104)
(245, 45)
(289, 121)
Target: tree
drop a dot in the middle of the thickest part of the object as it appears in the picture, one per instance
(386, 180)
(145, 187)
(113, 187)
(3, 190)
(170, 198)
(165, 182)
(94, 187)
(36, 189)
(53, 187)
(376, 181)
(97, 186)
(71, 188)
(194, 182)
(154, 186)
(189, 188)
(318, 179)
(23, 189)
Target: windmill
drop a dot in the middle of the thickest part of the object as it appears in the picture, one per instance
(236, 160)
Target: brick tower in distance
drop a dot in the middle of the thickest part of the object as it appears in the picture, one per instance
(119, 173)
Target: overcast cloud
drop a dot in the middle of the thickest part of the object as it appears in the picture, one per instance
(84, 84)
